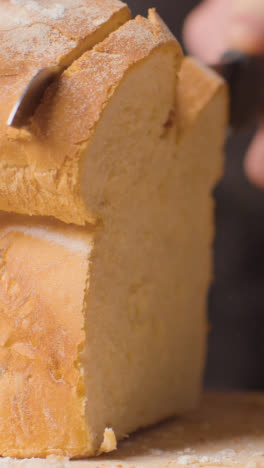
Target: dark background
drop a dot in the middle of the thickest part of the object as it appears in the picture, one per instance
(236, 302)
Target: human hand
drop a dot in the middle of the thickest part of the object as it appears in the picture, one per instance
(217, 26)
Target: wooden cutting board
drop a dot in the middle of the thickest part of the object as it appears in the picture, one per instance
(227, 430)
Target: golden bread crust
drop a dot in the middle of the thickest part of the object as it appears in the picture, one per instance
(38, 293)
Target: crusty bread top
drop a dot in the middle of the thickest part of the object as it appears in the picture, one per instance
(40, 168)
(74, 19)
(40, 33)
(35, 34)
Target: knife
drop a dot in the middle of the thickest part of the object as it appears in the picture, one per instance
(244, 75)
(31, 97)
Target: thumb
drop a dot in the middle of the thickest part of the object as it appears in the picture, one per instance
(206, 28)
(246, 30)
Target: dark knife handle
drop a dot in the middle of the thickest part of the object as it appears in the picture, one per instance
(245, 77)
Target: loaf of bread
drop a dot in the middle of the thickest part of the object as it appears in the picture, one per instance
(103, 328)
(103, 291)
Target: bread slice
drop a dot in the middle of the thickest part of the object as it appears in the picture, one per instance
(103, 329)
(95, 128)
(226, 431)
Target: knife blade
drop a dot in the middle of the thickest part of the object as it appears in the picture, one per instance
(31, 97)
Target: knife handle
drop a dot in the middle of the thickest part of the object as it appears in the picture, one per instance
(245, 77)
(243, 65)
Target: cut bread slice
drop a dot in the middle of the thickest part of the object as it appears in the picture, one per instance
(103, 329)
(65, 165)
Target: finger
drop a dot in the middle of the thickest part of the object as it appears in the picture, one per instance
(206, 30)
(254, 162)
(247, 25)
(219, 25)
